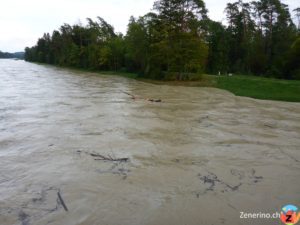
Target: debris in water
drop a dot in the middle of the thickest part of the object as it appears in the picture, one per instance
(108, 158)
(62, 201)
(212, 182)
(154, 100)
(132, 96)
(104, 158)
(148, 99)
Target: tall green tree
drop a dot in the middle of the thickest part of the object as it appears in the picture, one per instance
(241, 33)
(137, 44)
(279, 33)
(217, 38)
(181, 42)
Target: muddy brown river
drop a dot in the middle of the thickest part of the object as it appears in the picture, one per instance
(201, 156)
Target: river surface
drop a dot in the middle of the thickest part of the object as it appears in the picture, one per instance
(201, 156)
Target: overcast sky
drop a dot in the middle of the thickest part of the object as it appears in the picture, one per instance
(22, 22)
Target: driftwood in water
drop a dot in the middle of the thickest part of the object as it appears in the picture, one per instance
(62, 201)
(132, 96)
(104, 158)
(108, 158)
(148, 99)
(154, 100)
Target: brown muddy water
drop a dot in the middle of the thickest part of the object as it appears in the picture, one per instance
(201, 156)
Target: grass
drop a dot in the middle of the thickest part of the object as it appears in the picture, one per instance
(260, 88)
(247, 86)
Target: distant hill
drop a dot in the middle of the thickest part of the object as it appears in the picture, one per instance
(7, 55)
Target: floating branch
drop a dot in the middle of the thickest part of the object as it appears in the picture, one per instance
(154, 100)
(132, 96)
(108, 158)
(62, 201)
(104, 158)
(148, 99)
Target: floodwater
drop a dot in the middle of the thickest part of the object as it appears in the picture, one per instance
(201, 156)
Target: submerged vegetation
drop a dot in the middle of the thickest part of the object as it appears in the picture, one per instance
(178, 41)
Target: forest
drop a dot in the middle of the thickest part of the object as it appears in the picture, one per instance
(7, 55)
(177, 39)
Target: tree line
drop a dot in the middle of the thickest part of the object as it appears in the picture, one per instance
(8, 55)
(177, 39)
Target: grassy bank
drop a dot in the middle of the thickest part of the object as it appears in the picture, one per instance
(248, 86)
(261, 88)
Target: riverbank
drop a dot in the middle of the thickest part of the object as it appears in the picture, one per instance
(240, 85)
(261, 87)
